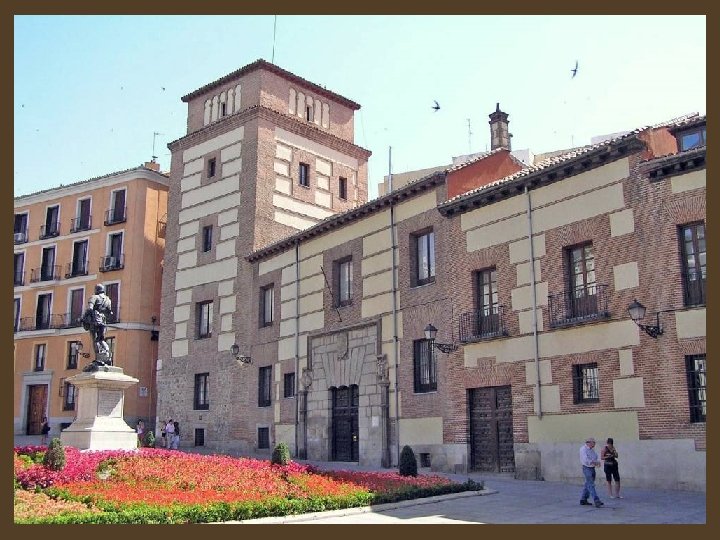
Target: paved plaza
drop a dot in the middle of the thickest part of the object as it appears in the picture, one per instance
(508, 501)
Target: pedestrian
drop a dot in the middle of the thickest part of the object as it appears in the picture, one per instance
(609, 455)
(44, 430)
(176, 436)
(169, 433)
(140, 429)
(589, 460)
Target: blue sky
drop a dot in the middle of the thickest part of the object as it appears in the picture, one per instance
(89, 91)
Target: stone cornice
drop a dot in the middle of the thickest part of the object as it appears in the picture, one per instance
(282, 120)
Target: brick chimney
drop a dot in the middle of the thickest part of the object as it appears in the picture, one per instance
(499, 134)
(154, 165)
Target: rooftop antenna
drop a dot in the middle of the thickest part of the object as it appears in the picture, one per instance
(274, 31)
(469, 137)
(155, 134)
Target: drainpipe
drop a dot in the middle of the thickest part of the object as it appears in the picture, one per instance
(534, 306)
(396, 343)
(297, 346)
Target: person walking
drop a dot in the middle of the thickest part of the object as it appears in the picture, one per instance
(140, 430)
(176, 437)
(609, 455)
(589, 460)
(169, 433)
(44, 431)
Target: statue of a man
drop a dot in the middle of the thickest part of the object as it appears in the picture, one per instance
(94, 321)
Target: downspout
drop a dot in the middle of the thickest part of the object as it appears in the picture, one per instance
(297, 345)
(533, 286)
(396, 343)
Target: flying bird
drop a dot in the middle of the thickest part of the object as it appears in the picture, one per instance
(436, 107)
(574, 70)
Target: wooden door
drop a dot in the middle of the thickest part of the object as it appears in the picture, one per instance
(345, 423)
(37, 402)
(491, 429)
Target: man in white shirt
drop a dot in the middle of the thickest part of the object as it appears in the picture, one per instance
(589, 460)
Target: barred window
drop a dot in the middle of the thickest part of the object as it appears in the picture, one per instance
(201, 398)
(264, 386)
(289, 385)
(263, 437)
(697, 386)
(586, 388)
(425, 366)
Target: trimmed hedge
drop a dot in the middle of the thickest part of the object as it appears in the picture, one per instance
(219, 512)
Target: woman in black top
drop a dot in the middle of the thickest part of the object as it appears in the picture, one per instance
(609, 455)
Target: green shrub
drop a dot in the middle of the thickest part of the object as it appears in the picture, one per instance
(55, 456)
(408, 463)
(149, 439)
(281, 454)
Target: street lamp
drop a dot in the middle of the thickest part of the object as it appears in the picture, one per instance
(430, 333)
(637, 313)
(235, 350)
(79, 348)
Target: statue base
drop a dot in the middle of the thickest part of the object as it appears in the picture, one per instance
(100, 399)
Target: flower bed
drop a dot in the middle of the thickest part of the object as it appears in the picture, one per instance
(164, 486)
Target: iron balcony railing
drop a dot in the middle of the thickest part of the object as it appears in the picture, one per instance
(49, 230)
(43, 321)
(45, 273)
(112, 262)
(69, 320)
(19, 278)
(76, 268)
(115, 215)
(80, 223)
(694, 288)
(481, 324)
(578, 305)
(20, 237)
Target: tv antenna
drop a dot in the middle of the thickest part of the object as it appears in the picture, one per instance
(155, 134)
(469, 137)
(274, 32)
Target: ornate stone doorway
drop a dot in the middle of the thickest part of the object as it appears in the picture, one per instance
(344, 400)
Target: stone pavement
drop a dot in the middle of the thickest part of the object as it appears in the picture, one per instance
(508, 501)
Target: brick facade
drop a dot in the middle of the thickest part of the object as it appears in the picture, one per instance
(601, 194)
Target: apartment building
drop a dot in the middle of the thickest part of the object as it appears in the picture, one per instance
(109, 230)
(479, 313)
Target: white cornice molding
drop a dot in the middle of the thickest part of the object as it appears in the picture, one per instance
(86, 186)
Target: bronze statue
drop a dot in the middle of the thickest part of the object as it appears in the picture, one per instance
(94, 321)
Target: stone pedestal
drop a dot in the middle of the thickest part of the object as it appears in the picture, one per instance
(99, 424)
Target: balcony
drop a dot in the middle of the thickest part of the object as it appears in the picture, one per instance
(482, 324)
(20, 237)
(579, 305)
(115, 215)
(69, 320)
(76, 268)
(50, 230)
(112, 262)
(44, 321)
(19, 279)
(694, 288)
(45, 273)
(81, 223)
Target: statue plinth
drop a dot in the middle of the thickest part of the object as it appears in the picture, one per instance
(100, 400)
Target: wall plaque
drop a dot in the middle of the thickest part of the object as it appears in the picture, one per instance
(109, 403)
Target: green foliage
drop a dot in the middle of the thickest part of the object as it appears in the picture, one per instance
(408, 463)
(281, 454)
(149, 439)
(55, 456)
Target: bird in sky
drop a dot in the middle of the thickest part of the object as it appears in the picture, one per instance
(574, 70)
(436, 107)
